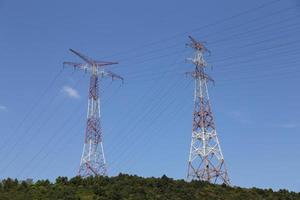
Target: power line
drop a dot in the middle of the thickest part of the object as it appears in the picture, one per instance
(150, 121)
(144, 140)
(230, 28)
(256, 52)
(32, 136)
(30, 111)
(254, 9)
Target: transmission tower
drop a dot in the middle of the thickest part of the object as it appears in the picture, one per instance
(93, 160)
(206, 161)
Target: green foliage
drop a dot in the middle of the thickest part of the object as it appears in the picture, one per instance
(128, 187)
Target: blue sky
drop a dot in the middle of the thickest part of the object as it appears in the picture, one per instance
(147, 120)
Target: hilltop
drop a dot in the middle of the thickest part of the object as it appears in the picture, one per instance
(128, 187)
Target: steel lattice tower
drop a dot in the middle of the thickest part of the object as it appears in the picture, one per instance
(93, 160)
(206, 161)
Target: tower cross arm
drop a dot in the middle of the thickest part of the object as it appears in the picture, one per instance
(91, 61)
(82, 66)
(104, 63)
(89, 64)
(200, 74)
(83, 57)
(113, 75)
(197, 45)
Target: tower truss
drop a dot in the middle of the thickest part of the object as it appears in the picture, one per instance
(93, 160)
(206, 161)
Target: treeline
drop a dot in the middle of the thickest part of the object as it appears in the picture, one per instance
(127, 187)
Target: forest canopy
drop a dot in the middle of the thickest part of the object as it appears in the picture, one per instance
(129, 187)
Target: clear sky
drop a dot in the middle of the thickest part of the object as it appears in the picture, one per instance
(147, 121)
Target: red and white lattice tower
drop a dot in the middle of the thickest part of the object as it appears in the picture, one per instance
(93, 160)
(206, 161)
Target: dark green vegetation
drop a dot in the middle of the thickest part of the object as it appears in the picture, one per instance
(131, 187)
